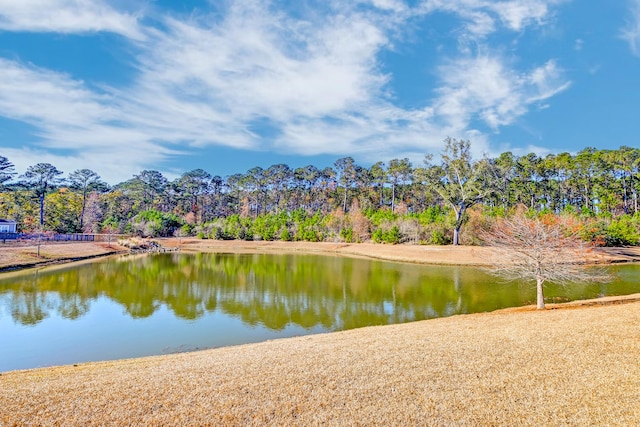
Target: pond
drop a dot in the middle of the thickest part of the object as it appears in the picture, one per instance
(143, 305)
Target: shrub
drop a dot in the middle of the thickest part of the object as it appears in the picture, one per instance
(381, 216)
(438, 237)
(432, 215)
(153, 223)
(476, 224)
(285, 235)
(186, 230)
(347, 234)
(623, 231)
(360, 224)
(391, 236)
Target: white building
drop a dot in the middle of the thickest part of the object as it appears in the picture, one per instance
(7, 226)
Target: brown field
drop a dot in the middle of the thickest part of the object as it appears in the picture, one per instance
(559, 366)
(13, 255)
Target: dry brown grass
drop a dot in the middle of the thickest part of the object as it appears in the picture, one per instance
(26, 255)
(448, 255)
(557, 367)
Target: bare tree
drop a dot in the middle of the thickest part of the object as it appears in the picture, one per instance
(540, 250)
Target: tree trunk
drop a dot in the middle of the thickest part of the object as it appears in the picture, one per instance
(456, 230)
(625, 201)
(456, 235)
(393, 198)
(540, 292)
(84, 206)
(41, 210)
(344, 202)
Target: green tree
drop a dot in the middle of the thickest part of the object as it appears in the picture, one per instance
(149, 188)
(627, 162)
(304, 181)
(85, 180)
(63, 207)
(42, 178)
(346, 171)
(378, 178)
(527, 176)
(322, 190)
(399, 172)
(504, 168)
(6, 170)
(279, 180)
(191, 187)
(254, 183)
(460, 181)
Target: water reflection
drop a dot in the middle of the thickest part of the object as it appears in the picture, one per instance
(274, 291)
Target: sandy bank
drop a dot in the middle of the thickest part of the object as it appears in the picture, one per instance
(558, 367)
(21, 256)
(445, 255)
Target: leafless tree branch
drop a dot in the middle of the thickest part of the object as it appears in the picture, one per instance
(540, 250)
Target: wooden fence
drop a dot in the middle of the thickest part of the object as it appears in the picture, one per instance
(51, 237)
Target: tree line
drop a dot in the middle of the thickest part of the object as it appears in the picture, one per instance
(438, 202)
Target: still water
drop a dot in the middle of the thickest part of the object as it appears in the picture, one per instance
(157, 304)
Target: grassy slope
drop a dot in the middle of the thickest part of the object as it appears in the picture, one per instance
(557, 367)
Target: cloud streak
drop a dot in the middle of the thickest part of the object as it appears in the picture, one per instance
(483, 17)
(631, 32)
(483, 87)
(258, 78)
(67, 16)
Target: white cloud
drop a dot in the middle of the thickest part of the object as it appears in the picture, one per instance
(66, 16)
(631, 32)
(253, 64)
(315, 81)
(72, 119)
(39, 95)
(482, 16)
(201, 77)
(483, 87)
(394, 5)
(544, 82)
(518, 14)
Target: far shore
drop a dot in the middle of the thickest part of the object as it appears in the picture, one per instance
(15, 257)
(422, 254)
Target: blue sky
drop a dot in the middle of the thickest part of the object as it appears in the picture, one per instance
(120, 86)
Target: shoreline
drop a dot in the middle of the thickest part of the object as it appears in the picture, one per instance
(418, 254)
(14, 258)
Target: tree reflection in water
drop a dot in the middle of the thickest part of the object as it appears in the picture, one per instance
(270, 290)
